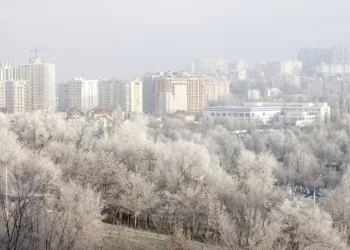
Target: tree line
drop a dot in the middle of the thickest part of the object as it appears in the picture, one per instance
(192, 180)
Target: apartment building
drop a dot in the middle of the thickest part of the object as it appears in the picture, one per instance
(217, 88)
(114, 93)
(285, 80)
(148, 92)
(81, 93)
(17, 97)
(41, 79)
(136, 96)
(7, 72)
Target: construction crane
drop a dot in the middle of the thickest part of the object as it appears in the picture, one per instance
(36, 51)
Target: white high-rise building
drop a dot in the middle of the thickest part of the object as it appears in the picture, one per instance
(17, 97)
(7, 72)
(172, 101)
(136, 96)
(41, 79)
(114, 93)
(2, 96)
(148, 92)
(341, 54)
(82, 93)
(62, 96)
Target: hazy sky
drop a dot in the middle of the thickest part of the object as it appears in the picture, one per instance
(123, 38)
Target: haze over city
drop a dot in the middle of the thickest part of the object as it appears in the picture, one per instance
(109, 38)
(179, 125)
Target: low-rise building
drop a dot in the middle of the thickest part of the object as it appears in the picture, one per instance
(264, 115)
(321, 110)
(252, 94)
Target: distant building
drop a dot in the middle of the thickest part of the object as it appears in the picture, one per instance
(272, 93)
(17, 97)
(191, 68)
(217, 88)
(41, 78)
(321, 111)
(296, 118)
(264, 115)
(238, 65)
(252, 94)
(311, 57)
(7, 72)
(82, 93)
(341, 54)
(272, 68)
(135, 96)
(173, 101)
(195, 89)
(238, 75)
(337, 86)
(62, 97)
(282, 81)
(333, 69)
(2, 96)
(148, 92)
(313, 86)
(114, 93)
(211, 66)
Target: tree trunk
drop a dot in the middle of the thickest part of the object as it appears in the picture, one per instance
(148, 227)
(135, 221)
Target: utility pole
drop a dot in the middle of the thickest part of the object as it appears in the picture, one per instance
(314, 197)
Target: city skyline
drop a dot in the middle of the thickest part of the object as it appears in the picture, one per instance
(102, 44)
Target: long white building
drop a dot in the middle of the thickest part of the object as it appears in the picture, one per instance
(264, 115)
(291, 114)
(321, 110)
(42, 81)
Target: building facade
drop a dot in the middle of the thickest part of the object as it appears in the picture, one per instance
(211, 66)
(171, 102)
(81, 93)
(311, 57)
(321, 110)
(41, 78)
(148, 92)
(341, 54)
(263, 115)
(136, 96)
(217, 88)
(114, 93)
(7, 72)
(17, 97)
